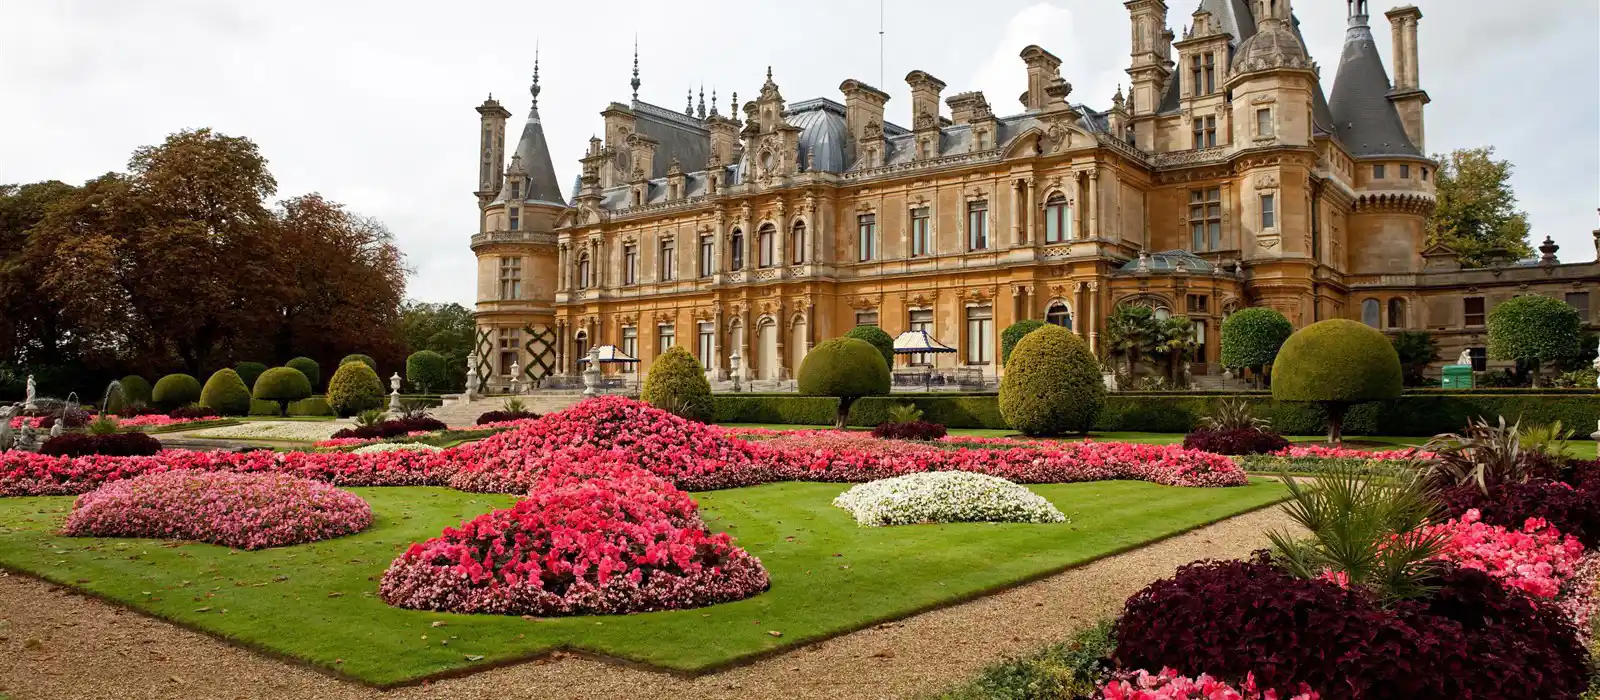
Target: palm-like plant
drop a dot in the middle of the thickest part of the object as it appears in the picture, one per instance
(414, 409)
(1174, 338)
(1365, 529)
(370, 417)
(104, 425)
(1131, 333)
(1484, 454)
(1234, 414)
(1550, 439)
(904, 413)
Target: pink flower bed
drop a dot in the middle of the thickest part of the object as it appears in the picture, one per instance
(1324, 452)
(343, 442)
(157, 420)
(246, 511)
(594, 537)
(1536, 560)
(31, 474)
(1168, 685)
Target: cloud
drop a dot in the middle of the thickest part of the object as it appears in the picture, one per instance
(1083, 36)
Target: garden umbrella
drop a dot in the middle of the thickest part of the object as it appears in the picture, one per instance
(609, 354)
(918, 342)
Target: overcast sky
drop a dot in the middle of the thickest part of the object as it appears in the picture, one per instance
(371, 103)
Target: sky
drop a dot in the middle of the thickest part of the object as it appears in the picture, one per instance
(372, 103)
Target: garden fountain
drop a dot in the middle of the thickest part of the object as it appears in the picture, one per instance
(114, 387)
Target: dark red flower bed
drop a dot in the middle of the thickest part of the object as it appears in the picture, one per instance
(193, 413)
(505, 417)
(133, 444)
(395, 427)
(1573, 511)
(914, 430)
(1235, 442)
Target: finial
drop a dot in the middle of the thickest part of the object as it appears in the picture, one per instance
(688, 104)
(714, 102)
(534, 89)
(769, 74)
(635, 82)
(734, 112)
(701, 110)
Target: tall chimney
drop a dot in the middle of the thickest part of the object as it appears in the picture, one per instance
(925, 90)
(1403, 23)
(1043, 69)
(863, 118)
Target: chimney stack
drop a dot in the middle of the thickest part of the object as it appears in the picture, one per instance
(863, 117)
(925, 90)
(1043, 69)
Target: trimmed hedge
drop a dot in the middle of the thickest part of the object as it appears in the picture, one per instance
(314, 406)
(954, 410)
(1252, 337)
(1014, 334)
(263, 407)
(844, 368)
(226, 393)
(282, 385)
(354, 388)
(136, 388)
(308, 367)
(879, 339)
(778, 409)
(175, 391)
(1053, 385)
(363, 359)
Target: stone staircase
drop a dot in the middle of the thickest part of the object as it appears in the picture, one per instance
(462, 415)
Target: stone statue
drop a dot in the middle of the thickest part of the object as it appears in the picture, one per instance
(1465, 358)
(1597, 369)
(29, 403)
(591, 374)
(472, 379)
(6, 434)
(394, 396)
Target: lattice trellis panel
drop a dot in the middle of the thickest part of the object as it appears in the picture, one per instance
(482, 369)
(541, 348)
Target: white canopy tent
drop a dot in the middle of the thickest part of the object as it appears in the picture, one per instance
(610, 354)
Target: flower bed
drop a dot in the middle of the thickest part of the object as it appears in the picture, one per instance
(395, 447)
(31, 474)
(1536, 560)
(292, 431)
(394, 427)
(945, 497)
(245, 511)
(1168, 685)
(157, 420)
(592, 538)
(111, 445)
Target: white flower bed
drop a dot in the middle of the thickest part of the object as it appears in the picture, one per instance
(945, 497)
(395, 447)
(298, 431)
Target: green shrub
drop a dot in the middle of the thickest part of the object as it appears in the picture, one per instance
(779, 409)
(844, 368)
(878, 338)
(1416, 350)
(308, 367)
(1336, 364)
(1014, 334)
(262, 407)
(427, 370)
(249, 372)
(1534, 330)
(1053, 384)
(225, 393)
(354, 388)
(175, 391)
(1252, 337)
(282, 384)
(949, 410)
(677, 383)
(314, 406)
(135, 389)
(363, 359)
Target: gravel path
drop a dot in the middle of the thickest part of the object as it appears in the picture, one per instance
(54, 644)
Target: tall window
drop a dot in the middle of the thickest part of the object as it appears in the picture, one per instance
(510, 278)
(1264, 122)
(510, 343)
(866, 318)
(797, 242)
(1205, 132)
(867, 236)
(669, 260)
(919, 232)
(978, 225)
(1058, 315)
(666, 337)
(1472, 311)
(1579, 301)
(1196, 72)
(1369, 313)
(1205, 219)
(1211, 72)
(980, 335)
(707, 337)
(922, 320)
(708, 254)
(630, 345)
(1057, 225)
(580, 345)
(516, 218)
(1405, 172)
(1378, 172)
(630, 264)
(1200, 341)
(1269, 211)
(1397, 313)
(767, 245)
(736, 250)
(516, 191)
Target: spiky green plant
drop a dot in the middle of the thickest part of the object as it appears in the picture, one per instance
(414, 408)
(515, 405)
(1550, 439)
(370, 417)
(104, 425)
(1234, 414)
(904, 413)
(1483, 453)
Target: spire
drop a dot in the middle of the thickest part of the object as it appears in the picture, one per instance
(635, 82)
(534, 89)
(714, 102)
(1364, 118)
(532, 157)
(1358, 13)
(700, 111)
(688, 104)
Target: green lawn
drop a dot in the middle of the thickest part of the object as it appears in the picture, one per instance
(318, 602)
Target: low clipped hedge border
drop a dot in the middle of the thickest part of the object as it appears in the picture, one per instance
(1420, 414)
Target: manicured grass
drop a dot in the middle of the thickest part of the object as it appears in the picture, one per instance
(318, 602)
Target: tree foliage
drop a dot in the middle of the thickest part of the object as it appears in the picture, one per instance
(1477, 213)
(1013, 334)
(677, 383)
(354, 388)
(846, 368)
(1131, 333)
(282, 385)
(1252, 337)
(427, 371)
(226, 394)
(878, 338)
(447, 329)
(307, 367)
(1534, 330)
(1417, 350)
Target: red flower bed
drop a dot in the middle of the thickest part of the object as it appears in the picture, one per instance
(246, 511)
(392, 428)
(113, 445)
(914, 430)
(592, 538)
(30, 474)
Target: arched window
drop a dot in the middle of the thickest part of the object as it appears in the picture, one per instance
(1163, 313)
(1370, 313)
(1397, 313)
(583, 271)
(797, 242)
(580, 347)
(736, 250)
(1057, 224)
(1058, 315)
(767, 245)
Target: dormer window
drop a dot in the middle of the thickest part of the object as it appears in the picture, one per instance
(516, 191)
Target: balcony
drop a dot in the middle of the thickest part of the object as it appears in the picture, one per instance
(527, 237)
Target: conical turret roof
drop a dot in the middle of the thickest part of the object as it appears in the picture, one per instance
(534, 153)
(1365, 120)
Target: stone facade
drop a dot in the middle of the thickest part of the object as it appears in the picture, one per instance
(1224, 178)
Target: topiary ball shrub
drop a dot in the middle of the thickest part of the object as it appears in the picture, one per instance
(363, 359)
(244, 511)
(282, 385)
(677, 384)
(308, 367)
(1052, 385)
(1573, 511)
(354, 388)
(175, 390)
(134, 444)
(136, 390)
(1014, 334)
(225, 393)
(1253, 337)
(250, 372)
(879, 339)
(1235, 442)
(844, 368)
(912, 430)
(1337, 364)
(1534, 329)
(427, 370)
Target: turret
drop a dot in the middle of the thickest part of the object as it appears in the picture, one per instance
(1150, 68)
(1408, 96)
(491, 149)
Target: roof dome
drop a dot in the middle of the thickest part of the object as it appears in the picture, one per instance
(1274, 46)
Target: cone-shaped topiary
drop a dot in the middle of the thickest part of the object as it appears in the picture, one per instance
(1052, 384)
(308, 367)
(135, 389)
(249, 372)
(1014, 334)
(354, 388)
(282, 385)
(1252, 337)
(677, 384)
(845, 368)
(363, 359)
(427, 370)
(878, 338)
(1336, 364)
(225, 393)
(175, 391)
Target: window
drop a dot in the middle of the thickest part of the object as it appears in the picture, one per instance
(1369, 313)
(1264, 122)
(1377, 172)
(766, 246)
(1472, 311)
(1405, 172)
(1205, 219)
(978, 225)
(919, 232)
(922, 320)
(665, 338)
(797, 242)
(1397, 313)
(1198, 303)
(708, 254)
(1162, 313)
(516, 192)
(510, 344)
(1058, 315)
(1579, 301)
(1211, 73)
(580, 345)
(1057, 222)
(707, 343)
(1203, 73)
(1205, 132)
(1480, 359)
(669, 260)
(1424, 174)
(583, 271)
(866, 236)
(510, 278)
(1196, 71)
(630, 346)
(736, 250)
(980, 335)
(1269, 211)
(866, 318)
(1200, 341)
(516, 218)
(630, 264)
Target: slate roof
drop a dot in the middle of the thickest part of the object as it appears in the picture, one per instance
(534, 154)
(677, 135)
(1365, 120)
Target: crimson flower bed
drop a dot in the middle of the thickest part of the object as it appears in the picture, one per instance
(393, 428)
(113, 445)
(914, 430)
(245, 511)
(1236, 442)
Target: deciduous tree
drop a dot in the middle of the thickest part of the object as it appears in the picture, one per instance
(1477, 214)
